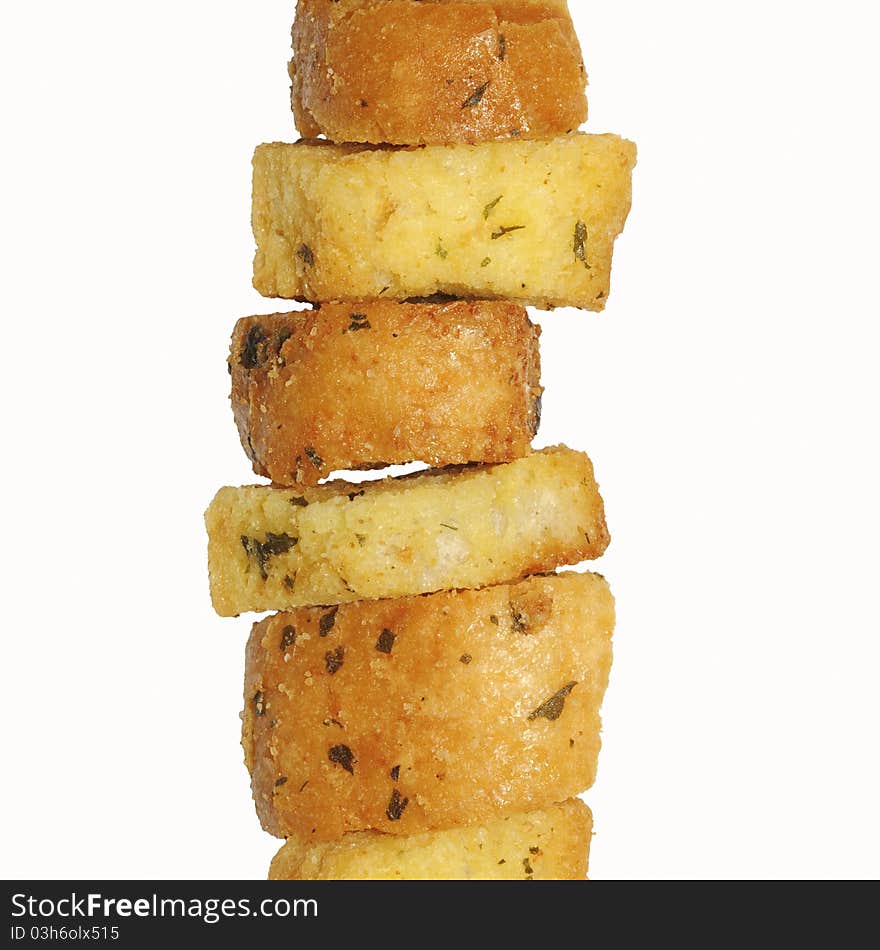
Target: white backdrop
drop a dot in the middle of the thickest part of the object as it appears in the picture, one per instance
(728, 397)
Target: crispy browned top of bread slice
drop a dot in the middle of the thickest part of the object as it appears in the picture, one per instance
(411, 73)
(372, 383)
(427, 712)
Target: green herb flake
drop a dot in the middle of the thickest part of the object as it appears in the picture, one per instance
(503, 861)
(342, 755)
(278, 543)
(304, 253)
(579, 244)
(302, 787)
(298, 501)
(519, 620)
(506, 230)
(361, 538)
(396, 806)
(259, 703)
(451, 527)
(262, 551)
(385, 643)
(527, 867)
(314, 458)
(253, 351)
(333, 660)
(485, 262)
(281, 780)
(288, 638)
(395, 773)
(325, 624)
(493, 619)
(288, 581)
(441, 251)
(465, 658)
(359, 321)
(488, 209)
(476, 95)
(552, 708)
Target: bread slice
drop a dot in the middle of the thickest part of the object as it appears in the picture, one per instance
(377, 382)
(419, 713)
(411, 73)
(533, 222)
(273, 548)
(548, 844)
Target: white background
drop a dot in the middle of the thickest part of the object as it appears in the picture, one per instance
(728, 396)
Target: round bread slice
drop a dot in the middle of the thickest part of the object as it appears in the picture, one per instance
(420, 713)
(411, 73)
(548, 844)
(533, 222)
(374, 383)
(276, 548)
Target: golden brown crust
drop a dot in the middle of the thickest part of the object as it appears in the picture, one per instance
(548, 844)
(412, 73)
(427, 712)
(275, 548)
(377, 382)
(533, 222)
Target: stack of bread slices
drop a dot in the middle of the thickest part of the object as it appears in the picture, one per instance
(425, 701)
